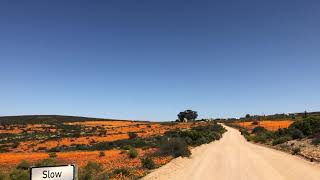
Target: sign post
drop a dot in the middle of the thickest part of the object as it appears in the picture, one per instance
(66, 172)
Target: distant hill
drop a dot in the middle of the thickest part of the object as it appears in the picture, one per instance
(48, 119)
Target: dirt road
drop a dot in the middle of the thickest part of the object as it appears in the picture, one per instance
(233, 158)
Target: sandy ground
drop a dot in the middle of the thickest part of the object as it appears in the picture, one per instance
(233, 158)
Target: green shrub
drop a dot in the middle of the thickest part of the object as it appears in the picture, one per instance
(193, 137)
(19, 174)
(281, 132)
(316, 138)
(281, 140)
(244, 132)
(296, 133)
(248, 137)
(103, 176)
(200, 134)
(126, 147)
(192, 134)
(15, 144)
(47, 162)
(132, 135)
(262, 138)
(122, 171)
(148, 163)
(258, 130)
(24, 165)
(308, 125)
(175, 147)
(52, 155)
(101, 154)
(133, 153)
(91, 171)
(217, 128)
(296, 150)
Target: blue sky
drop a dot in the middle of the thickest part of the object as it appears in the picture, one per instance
(147, 59)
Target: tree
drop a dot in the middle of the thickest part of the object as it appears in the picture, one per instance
(187, 115)
(248, 116)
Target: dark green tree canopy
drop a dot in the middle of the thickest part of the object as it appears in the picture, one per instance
(187, 115)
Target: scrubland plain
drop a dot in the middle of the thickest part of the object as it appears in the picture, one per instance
(109, 143)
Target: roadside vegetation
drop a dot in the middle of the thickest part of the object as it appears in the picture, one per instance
(300, 134)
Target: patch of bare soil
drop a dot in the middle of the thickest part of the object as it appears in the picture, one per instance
(302, 147)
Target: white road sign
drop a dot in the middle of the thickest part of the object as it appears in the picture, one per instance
(53, 173)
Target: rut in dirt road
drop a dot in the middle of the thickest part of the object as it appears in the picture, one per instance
(233, 158)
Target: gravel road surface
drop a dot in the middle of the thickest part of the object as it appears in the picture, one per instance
(233, 158)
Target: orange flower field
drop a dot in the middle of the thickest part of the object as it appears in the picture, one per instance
(34, 151)
(113, 159)
(270, 125)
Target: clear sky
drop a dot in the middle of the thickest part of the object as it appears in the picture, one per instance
(150, 59)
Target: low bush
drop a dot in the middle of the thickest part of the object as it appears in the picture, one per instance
(281, 140)
(91, 171)
(255, 123)
(175, 147)
(126, 147)
(15, 144)
(261, 138)
(308, 126)
(316, 138)
(296, 150)
(281, 132)
(295, 133)
(148, 163)
(199, 135)
(244, 132)
(24, 165)
(133, 153)
(52, 155)
(122, 171)
(132, 135)
(248, 137)
(101, 154)
(47, 162)
(19, 174)
(259, 130)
